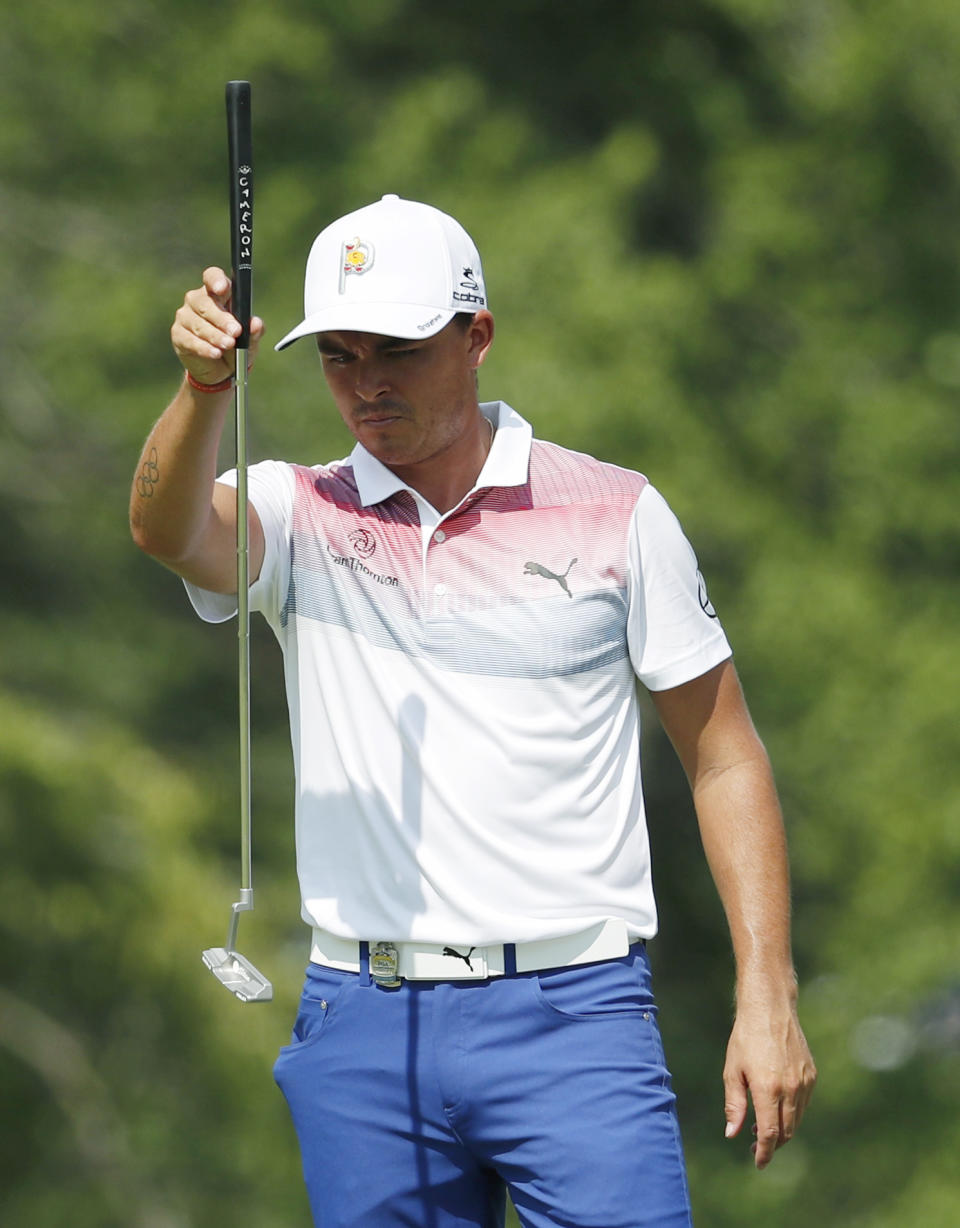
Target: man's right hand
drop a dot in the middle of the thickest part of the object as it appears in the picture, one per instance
(204, 333)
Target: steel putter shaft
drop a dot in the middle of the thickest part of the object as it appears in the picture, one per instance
(232, 969)
(226, 963)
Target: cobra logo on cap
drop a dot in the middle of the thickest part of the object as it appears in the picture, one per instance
(356, 256)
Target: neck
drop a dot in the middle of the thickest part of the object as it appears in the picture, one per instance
(446, 479)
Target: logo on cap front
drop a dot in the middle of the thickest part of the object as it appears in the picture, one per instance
(356, 256)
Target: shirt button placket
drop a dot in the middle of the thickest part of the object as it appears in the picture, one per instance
(439, 588)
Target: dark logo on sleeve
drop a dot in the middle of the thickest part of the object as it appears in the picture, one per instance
(705, 603)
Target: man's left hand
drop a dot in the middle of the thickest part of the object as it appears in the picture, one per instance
(768, 1057)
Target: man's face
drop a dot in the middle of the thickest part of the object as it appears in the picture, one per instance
(407, 402)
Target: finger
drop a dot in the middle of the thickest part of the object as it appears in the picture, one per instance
(191, 333)
(805, 1092)
(200, 316)
(217, 284)
(208, 307)
(206, 361)
(204, 332)
(256, 334)
(734, 1105)
(210, 303)
(192, 336)
(767, 1129)
(790, 1114)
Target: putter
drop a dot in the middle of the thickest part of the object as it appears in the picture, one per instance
(232, 969)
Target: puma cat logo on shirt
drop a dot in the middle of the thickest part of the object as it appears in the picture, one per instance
(538, 569)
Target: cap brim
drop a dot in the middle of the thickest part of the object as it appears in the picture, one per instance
(386, 319)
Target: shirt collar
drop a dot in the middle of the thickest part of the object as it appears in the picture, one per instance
(507, 463)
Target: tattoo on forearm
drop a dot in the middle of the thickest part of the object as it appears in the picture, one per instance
(148, 476)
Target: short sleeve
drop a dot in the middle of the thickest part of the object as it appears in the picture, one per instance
(270, 491)
(673, 632)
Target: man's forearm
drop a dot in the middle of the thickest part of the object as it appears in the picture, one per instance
(743, 837)
(767, 1054)
(171, 496)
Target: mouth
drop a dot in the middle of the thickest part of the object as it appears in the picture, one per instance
(383, 416)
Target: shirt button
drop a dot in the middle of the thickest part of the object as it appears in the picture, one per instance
(439, 536)
(439, 590)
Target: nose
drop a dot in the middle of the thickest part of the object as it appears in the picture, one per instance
(370, 379)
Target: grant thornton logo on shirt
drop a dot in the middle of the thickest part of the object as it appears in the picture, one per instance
(363, 542)
(356, 566)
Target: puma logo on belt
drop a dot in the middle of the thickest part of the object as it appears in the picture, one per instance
(538, 569)
(460, 955)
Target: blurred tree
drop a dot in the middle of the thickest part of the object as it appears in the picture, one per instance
(720, 245)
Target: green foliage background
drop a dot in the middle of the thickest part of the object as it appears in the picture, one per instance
(721, 243)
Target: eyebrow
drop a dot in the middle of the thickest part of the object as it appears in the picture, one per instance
(386, 343)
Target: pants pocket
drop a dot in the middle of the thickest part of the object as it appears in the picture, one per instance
(322, 991)
(615, 987)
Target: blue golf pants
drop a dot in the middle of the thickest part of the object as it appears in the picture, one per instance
(420, 1106)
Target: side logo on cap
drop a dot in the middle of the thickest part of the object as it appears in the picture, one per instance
(470, 285)
(356, 256)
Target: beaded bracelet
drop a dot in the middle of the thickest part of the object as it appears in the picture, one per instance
(221, 387)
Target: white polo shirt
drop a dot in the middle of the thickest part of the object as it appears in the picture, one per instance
(462, 688)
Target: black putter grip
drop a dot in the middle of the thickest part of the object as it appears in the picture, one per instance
(241, 203)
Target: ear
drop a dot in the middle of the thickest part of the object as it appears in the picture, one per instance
(479, 337)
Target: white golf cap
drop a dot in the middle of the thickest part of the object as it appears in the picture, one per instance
(396, 267)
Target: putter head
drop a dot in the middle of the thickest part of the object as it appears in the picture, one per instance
(238, 975)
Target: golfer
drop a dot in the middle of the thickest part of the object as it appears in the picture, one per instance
(464, 612)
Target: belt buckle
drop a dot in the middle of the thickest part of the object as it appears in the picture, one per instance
(384, 962)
